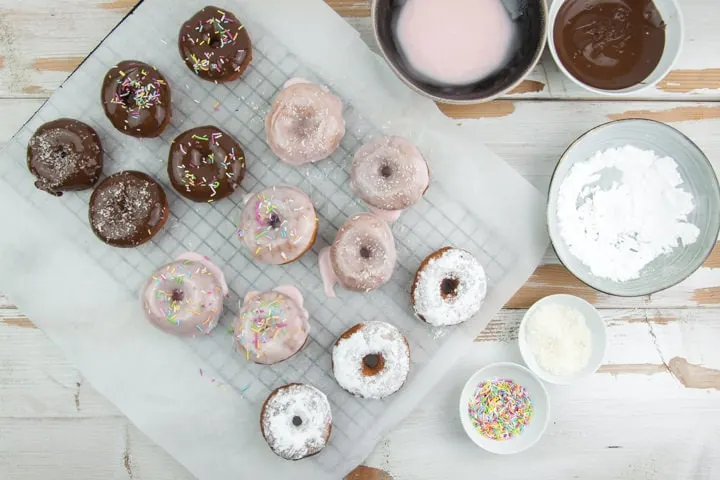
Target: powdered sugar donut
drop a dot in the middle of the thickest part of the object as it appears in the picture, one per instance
(278, 224)
(371, 360)
(186, 296)
(296, 421)
(390, 175)
(362, 257)
(449, 287)
(272, 326)
(305, 123)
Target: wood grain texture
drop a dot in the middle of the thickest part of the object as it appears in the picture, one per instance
(688, 81)
(57, 64)
(495, 109)
(669, 115)
(351, 8)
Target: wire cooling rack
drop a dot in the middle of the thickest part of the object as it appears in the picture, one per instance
(210, 229)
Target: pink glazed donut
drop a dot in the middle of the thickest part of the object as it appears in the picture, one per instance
(305, 123)
(185, 297)
(390, 175)
(278, 224)
(362, 257)
(272, 326)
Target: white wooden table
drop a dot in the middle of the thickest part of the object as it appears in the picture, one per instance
(653, 410)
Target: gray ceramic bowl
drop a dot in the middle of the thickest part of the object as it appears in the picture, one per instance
(532, 23)
(699, 179)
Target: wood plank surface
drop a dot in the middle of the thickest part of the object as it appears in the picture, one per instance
(650, 412)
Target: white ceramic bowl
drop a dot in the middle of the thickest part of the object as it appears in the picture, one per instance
(539, 396)
(674, 35)
(597, 330)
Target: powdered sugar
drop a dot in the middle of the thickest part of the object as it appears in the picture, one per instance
(469, 286)
(617, 231)
(559, 339)
(289, 439)
(372, 338)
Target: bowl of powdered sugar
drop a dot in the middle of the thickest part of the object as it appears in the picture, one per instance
(633, 208)
(562, 339)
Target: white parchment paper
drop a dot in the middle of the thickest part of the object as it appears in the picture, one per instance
(83, 294)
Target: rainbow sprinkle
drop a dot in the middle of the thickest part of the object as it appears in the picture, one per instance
(266, 321)
(500, 409)
(138, 91)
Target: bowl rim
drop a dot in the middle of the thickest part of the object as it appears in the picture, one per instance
(564, 156)
(547, 376)
(512, 365)
(628, 91)
(448, 101)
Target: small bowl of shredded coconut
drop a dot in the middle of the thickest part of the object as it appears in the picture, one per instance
(633, 208)
(562, 339)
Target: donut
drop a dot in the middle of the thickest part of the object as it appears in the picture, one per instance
(371, 360)
(205, 164)
(390, 175)
(278, 224)
(449, 287)
(305, 123)
(136, 99)
(65, 155)
(272, 326)
(185, 296)
(296, 421)
(215, 45)
(127, 209)
(362, 257)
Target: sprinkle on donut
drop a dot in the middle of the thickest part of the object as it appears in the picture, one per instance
(449, 287)
(371, 360)
(215, 45)
(296, 421)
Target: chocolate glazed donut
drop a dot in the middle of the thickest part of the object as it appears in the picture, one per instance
(127, 209)
(136, 99)
(65, 155)
(206, 164)
(215, 45)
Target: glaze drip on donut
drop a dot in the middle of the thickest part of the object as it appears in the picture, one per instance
(371, 360)
(296, 421)
(272, 326)
(128, 209)
(65, 155)
(305, 123)
(390, 175)
(361, 258)
(278, 224)
(215, 45)
(136, 99)
(205, 164)
(185, 297)
(449, 287)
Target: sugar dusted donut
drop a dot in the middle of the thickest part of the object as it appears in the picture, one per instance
(390, 175)
(361, 258)
(65, 155)
(272, 326)
(185, 297)
(449, 287)
(215, 45)
(371, 360)
(278, 224)
(296, 421)
(305, 123)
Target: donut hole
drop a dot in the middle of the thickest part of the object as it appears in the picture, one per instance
(449, 287)
(365, 253)
(62, 151)
(274, 220)
(177, 295)
(305, 122)
(297, 421)
(373, 364)
(386, 171)
(127, 95)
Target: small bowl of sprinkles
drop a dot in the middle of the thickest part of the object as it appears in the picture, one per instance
(504, 408)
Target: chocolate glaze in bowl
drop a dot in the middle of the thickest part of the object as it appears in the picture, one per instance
(532, 34)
